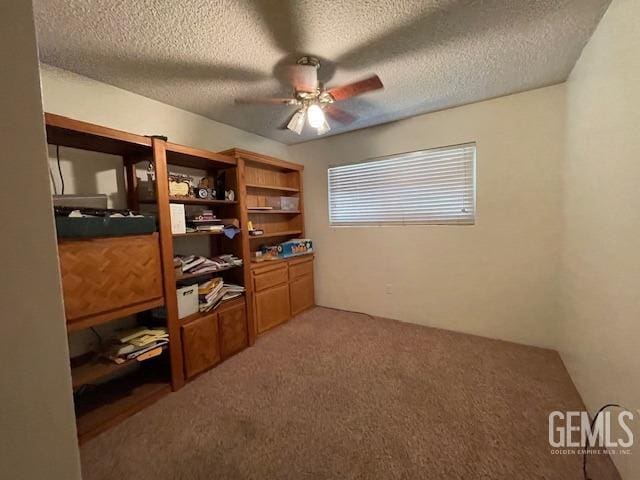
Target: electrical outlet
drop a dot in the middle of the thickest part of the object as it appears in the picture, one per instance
(387, 289)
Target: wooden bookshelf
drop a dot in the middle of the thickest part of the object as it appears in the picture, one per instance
(256, 180)
(263, 181)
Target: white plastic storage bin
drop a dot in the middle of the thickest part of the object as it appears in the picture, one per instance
(187, 300)
(289, 203)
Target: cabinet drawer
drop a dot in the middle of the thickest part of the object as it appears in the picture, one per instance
(234, 335)
(302, 296)
(270, 278)
(201, 344)
(272, 307)
(299, 269)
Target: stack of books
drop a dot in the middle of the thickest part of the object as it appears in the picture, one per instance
(140, 343)
(205, 222)
(211, 293)
(201, 265)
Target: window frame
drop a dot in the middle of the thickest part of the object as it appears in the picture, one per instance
(441, 222)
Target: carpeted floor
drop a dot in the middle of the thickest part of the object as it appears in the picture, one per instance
(337, 395)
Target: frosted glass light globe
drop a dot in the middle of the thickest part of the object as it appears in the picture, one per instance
(315, 116)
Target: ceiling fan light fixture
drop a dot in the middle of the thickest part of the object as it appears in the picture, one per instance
(324, 128)
(315, 115)
(297, 122)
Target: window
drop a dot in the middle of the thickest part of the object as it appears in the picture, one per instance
(427, 187)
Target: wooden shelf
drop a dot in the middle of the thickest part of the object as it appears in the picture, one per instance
(273, 212)
(95, 370)
(100, 318)
(109, 404)
(188, 276)
(197, 158)
(194, 201)
(264, 161)
(273, 187)
(285, 233)
(197, 234)
(67, 132)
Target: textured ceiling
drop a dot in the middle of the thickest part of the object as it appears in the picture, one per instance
(431, 54)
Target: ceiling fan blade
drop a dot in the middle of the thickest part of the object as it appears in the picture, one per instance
(356, 88)
(280, 19)
(304, 78)
(265, 101)
(339, 114)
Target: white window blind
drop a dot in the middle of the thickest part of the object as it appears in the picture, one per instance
(434, 186)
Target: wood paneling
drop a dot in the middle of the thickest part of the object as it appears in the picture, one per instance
(100, 275)
(267, 179)
(201, 344)
(234, 335)
(272, 307)
(301, 292)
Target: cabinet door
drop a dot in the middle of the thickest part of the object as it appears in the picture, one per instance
(301, 294)
(233, 330)
(200, 344)
(272, 307)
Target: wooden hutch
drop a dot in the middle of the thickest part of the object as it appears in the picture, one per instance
(137, 273)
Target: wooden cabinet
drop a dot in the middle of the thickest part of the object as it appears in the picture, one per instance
(272, 307)
(200, 344)
(301, 293)
(209, 339)
(110, 277)
(234, 335)
(282, 289)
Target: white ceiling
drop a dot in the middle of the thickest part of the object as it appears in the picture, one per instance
(430, 54)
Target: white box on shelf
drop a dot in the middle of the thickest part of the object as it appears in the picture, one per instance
(289, 203)
(187, 300)
(178, 221)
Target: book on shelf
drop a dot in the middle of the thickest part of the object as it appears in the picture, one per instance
(136, 343)
(200, 265)
(215, 291)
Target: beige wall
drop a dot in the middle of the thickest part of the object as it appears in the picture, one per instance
(600, 331)
(37, 428)
(82, 98)
(497, 278)
(66, 93)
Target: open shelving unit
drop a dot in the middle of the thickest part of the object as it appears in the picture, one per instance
(104, 404)
(106, 393)
(266, 181)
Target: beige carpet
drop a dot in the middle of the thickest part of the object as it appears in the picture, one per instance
(337, 395)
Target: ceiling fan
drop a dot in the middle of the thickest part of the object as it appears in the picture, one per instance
(314, 101)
